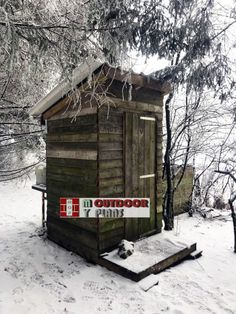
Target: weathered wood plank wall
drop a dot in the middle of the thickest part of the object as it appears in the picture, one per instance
(72, 171)
(86, 158)
(113, 176)
(110, 171)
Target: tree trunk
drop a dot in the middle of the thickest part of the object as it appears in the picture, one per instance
(233, 214)
(231, 202)
(168, 203)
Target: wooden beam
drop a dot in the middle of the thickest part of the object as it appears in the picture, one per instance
(79, 154)
(137, 79)
(154, 269)
(136, 106)
(60, 105)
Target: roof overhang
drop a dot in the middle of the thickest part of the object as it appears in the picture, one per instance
(78, 75)
(83, 71)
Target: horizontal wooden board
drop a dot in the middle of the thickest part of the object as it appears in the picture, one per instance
(115, 195)
(110, 146)
(110, 138)
(72, 137)
(71, 244)
(74, 113)
(72, 171)
(72, 163)
(109, 155)
(115, 116)
(108, 182)
(111, 173)
(89, 224)
(107, 224)
(110, 124)
(122, 106)
(111, 128)
(112, 232)
(76, 180)
(107, 112)
(82, 236)
(71, 146)
(68, 189)
(110, 190)
(110, 242)
(140, 94)
(85, 154)
(78, 121)
(110, 164)
(73, 128)
(137, 106)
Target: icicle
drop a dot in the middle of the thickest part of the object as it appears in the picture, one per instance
(130, 92)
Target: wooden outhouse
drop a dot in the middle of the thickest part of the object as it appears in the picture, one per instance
(104, 139)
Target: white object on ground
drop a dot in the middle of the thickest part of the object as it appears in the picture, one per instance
(148, 282)
(126, 249)
(40, 172)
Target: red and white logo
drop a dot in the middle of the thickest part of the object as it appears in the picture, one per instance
(69, 207)
(104, 207)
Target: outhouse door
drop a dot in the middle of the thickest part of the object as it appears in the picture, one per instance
(140, 168)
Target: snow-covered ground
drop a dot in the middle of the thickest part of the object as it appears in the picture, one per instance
(37, 276)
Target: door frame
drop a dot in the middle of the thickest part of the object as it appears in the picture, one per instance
(127, 220)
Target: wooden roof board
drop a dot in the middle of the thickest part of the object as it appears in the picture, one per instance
(80, 76)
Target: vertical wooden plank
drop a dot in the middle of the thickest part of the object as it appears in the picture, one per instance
(141, 153)
(153, 170)
(135, 172)
(140, 160)
(144, 223)
(159, 169)
(147, 185)
(111, 170)
(128, 153)
(98, 221)
(135, 155)
(131, 169)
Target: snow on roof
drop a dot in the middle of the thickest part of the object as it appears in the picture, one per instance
(78, 75)
(87, 68)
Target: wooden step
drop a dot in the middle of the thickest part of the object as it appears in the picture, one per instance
(151, 256)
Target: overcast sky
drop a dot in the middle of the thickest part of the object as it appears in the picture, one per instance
(223, 11)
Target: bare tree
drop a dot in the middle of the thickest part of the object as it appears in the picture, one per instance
(231, 200)
(39, 37)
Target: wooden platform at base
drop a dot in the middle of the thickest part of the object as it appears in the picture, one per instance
(151, 256)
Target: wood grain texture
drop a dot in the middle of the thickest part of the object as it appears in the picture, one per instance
(137, 79)
(75, 113)
(70, 105)
(72, 137)
(136, 106)
(139, 145)
(84, 154)
(103, 153)
(131, 168)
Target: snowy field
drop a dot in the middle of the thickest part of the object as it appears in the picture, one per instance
(39, 277)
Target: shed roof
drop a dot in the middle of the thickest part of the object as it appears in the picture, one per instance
(84, 70)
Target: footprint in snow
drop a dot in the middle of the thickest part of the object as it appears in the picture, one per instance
(98, 290)
(17, 290)
(69, 299)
